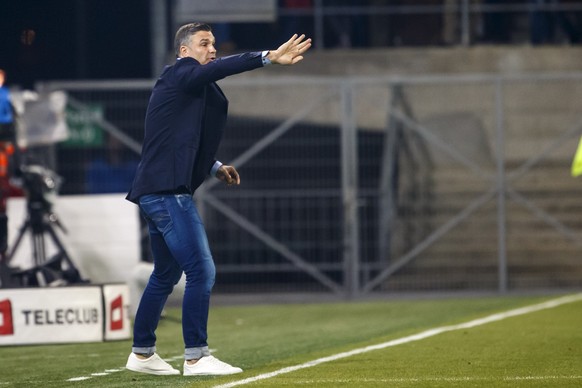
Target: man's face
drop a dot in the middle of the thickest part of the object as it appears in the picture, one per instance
(200, 47)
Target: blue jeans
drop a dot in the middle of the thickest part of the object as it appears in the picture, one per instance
(179, 245)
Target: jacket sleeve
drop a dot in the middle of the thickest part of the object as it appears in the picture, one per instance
(192, 75)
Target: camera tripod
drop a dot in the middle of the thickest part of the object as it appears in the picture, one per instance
(47, 271)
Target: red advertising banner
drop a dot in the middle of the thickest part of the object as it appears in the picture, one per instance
(6, 326)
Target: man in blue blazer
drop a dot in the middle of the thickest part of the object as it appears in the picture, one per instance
(185, 119)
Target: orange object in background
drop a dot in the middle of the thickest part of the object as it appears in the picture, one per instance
(6, 150)
(6, 188)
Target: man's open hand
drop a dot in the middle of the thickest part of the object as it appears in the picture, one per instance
(290, 52)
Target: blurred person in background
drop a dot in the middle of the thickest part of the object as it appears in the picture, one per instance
(9, 169)
(291, 23)
(7, 143)
(184, 122)
(497, 25)
(452, 22)
(6, 110)
(545, 23)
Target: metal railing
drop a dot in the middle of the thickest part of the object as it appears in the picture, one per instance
(326, 204)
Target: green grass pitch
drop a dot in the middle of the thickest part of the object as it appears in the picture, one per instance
(538, 349)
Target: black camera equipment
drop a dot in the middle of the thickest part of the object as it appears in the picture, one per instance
(41, 185)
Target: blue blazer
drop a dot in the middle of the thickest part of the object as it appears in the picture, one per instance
(184, 123)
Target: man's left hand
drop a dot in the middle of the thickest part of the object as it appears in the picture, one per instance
(228, 174)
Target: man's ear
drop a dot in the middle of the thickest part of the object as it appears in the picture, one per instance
(183, 51)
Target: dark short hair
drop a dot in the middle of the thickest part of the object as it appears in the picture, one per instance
(185, 32)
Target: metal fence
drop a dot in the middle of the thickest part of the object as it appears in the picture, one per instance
(360, 185)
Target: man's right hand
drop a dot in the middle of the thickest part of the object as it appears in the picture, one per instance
(290, 52)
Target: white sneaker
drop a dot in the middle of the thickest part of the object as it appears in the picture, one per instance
(153, 365)
(209, 365)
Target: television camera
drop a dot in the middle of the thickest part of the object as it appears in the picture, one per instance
(40, 185)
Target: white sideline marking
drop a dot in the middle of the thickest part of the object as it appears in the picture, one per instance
(434, 379)
(96, 374)
(79, 378)
(411, 338)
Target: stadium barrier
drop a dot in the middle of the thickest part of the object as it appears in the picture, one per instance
(374, 184)
(91, 313)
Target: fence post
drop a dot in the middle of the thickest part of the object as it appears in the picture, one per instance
(465, 24)
(318, 24)
(349, 170)
(159, 36)
(501, 188)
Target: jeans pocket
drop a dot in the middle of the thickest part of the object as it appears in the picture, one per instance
(184, 201)
(149, 199)
(154, 207)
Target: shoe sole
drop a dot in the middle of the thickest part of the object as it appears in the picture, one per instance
(153, 372)
(212, 374)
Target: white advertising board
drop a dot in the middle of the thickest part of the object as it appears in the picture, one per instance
(51, 315)
(45, 315)
(116, 305)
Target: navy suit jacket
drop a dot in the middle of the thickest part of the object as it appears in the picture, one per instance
(184, 123)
